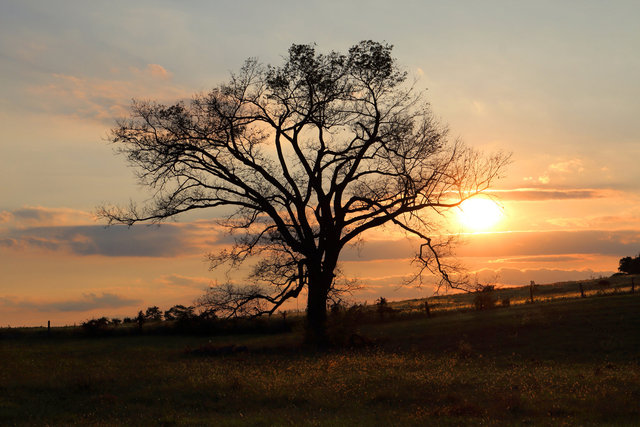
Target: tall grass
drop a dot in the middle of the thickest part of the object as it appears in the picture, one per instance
(564, 362)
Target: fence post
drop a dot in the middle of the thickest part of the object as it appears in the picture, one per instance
(633, 285)
(426, 308)
(581, 291)
(531, 285)
(48, 327)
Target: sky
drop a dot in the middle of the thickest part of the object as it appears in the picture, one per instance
(554, 83)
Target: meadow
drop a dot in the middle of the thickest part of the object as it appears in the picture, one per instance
(570, 360)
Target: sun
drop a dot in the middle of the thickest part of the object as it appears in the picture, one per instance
(479, 214)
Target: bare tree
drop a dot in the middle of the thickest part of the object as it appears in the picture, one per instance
(309, 155)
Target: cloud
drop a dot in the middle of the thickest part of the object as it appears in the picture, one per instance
(86, 303)
(75, 232)
(380, 250)
(625, 219)
(539, 194)
(558, 171)
(38, 216)
(537, 259)
(104, 99)
(177, 280)
(155, 70)
(510, 244)
(198, 237)
(168, 240)
(5, 216)
(569, 166)
(536, 243)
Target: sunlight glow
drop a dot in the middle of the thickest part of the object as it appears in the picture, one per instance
(479, 214)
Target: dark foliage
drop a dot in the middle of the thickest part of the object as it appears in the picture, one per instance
(97, 326)
(630, 265)
(153, 314)
(382, 307)
(485, 298)
(180, 313)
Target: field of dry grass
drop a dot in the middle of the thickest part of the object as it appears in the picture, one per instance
(562, 362)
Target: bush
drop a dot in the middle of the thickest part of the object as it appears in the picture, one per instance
(382, 307)
(485, 298)
(343, 325)
(94, 326)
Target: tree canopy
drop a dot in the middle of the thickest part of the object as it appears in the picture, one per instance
(630, 265)
(309, 155)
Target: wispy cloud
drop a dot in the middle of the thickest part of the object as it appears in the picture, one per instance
(537, 243)
(165, 241)
(537, 259)
(104, 99)
(539, 194)
(558, 171)
(567, 166)
(179, 281)
(625, 219)
(38, 216)
(86, 303)
(155, 70)
(76, 232)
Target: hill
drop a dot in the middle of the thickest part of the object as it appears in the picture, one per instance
(522, 294)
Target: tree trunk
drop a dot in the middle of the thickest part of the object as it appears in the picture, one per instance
(316, 333)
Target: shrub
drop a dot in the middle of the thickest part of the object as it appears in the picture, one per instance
(94, 326)
(485, 298)
(382, 307)
(343, 325)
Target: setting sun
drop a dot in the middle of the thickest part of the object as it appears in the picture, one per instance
(479, 214)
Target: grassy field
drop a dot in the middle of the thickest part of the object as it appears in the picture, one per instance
(521, 294)
(568, 361)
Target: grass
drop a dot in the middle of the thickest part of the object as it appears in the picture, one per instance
(521, 294)
(574, 361)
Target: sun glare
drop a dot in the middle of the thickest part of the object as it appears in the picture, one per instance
(479, 214)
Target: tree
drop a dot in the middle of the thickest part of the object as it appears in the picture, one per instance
(308, 155)
(179, 312)
(153, 314)
(630, 265)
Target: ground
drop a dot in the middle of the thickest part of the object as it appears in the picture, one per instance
(570, 361)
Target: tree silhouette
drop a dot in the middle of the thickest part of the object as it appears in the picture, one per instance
(630, 265)
(153, 314)
(308, 155)
(179, 312)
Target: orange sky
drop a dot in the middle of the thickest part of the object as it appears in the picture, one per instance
(555, 84)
